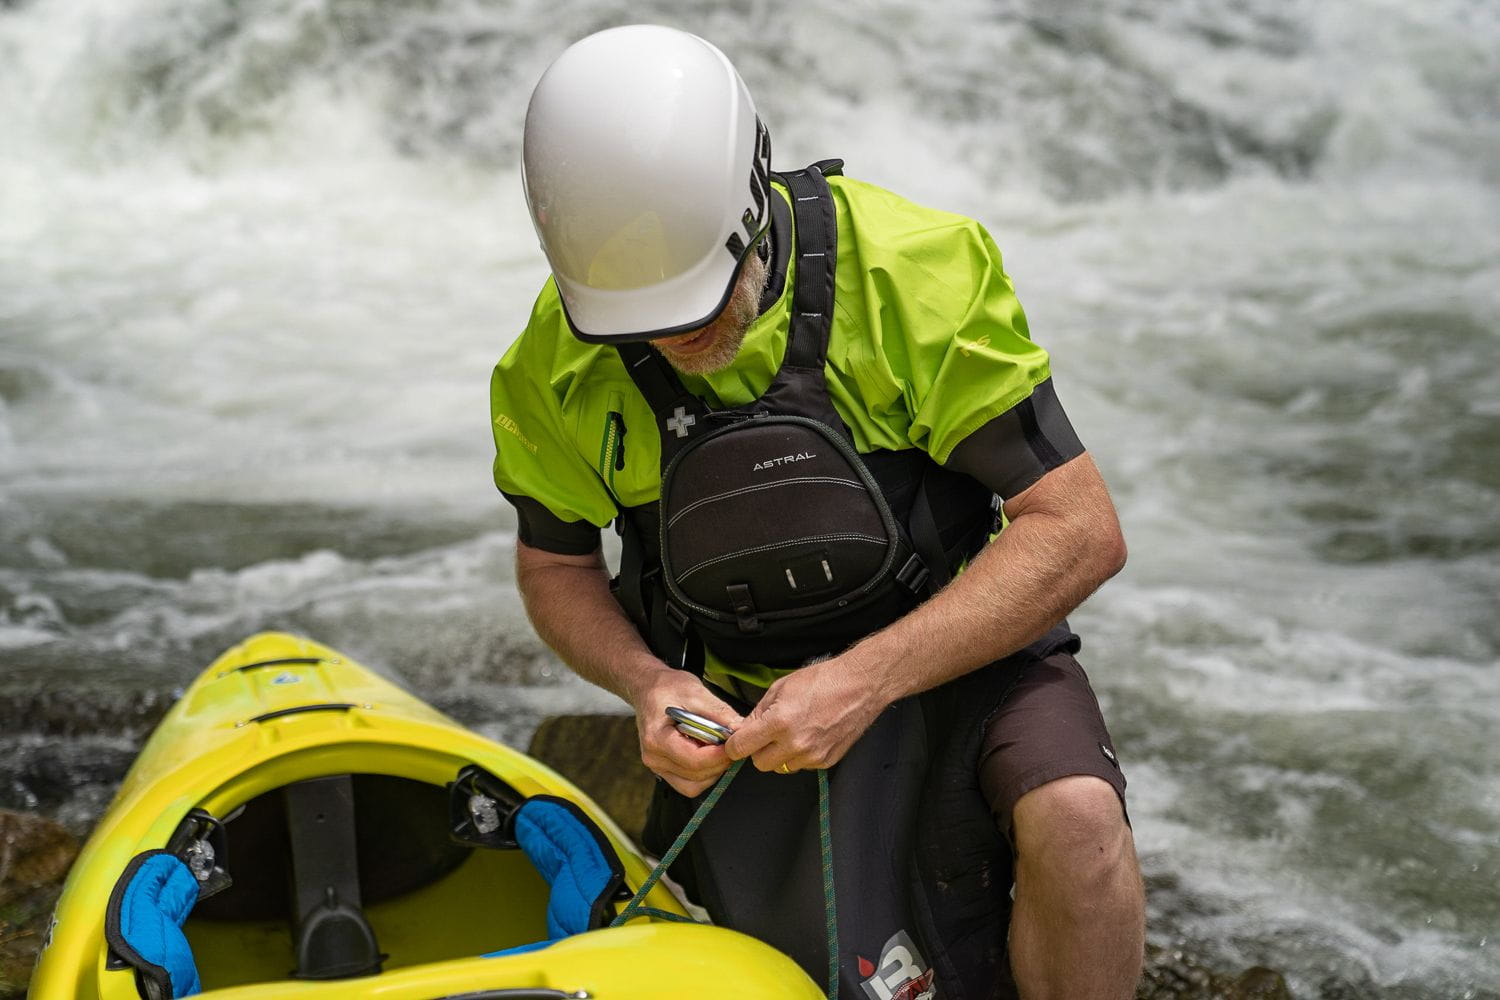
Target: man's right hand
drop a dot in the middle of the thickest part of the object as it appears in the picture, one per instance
(568, 599)
(688, 766)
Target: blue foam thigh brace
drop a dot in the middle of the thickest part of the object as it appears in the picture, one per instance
(570, 854)
(146, 928)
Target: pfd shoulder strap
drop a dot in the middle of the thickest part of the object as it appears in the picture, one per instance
(817, 259)
(678, 412)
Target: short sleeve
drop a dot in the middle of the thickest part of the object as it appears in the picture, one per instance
(1020, 446)
(560, 501)
(973, 358)
(978, 390)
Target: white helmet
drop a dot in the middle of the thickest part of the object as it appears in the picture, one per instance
(648, 177)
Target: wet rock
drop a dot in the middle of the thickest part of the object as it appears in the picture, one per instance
(73, 713)
(34, 852)
(600, 754)
(1172, 974)
(35, 855)
(1261, 983)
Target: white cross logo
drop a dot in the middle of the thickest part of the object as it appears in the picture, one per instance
(680, 421)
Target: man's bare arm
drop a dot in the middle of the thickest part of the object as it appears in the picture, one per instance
(1062, 541)
(569, 603)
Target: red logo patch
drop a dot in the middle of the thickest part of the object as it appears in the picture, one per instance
(915, 989)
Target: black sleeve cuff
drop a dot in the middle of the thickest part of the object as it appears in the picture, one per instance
(1019, 446)
(539, 528)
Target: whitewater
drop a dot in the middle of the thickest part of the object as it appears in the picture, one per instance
(256, 261)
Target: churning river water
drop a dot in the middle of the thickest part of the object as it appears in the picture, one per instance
(256, 260)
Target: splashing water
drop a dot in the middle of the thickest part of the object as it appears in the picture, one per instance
(257, 259)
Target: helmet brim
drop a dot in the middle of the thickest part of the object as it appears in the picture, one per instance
(668, 309)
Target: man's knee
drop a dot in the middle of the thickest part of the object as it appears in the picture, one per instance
(1076, 822)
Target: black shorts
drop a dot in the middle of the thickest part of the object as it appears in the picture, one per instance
(1048, 726)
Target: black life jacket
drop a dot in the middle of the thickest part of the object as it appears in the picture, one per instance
(774, 540)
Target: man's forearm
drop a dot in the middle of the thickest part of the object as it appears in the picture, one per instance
(1039, 569)
(569, 602)
(573, 611)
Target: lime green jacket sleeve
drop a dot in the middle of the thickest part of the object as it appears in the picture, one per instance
(940, 317)
(986, 366)
(535, 455)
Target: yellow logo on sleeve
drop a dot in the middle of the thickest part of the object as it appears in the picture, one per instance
(505, 421)
(974, 345)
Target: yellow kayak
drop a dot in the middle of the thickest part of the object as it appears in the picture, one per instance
(298, 827)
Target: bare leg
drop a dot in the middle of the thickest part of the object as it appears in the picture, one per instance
(1078, 930)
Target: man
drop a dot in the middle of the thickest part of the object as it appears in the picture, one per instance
(862, 366)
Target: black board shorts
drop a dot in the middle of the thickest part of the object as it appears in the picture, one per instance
(1048, 726)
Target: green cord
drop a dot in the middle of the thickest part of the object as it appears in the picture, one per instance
(825, 845)
(682, 838)
(830, 906)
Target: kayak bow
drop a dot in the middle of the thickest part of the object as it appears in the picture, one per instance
(297, 827)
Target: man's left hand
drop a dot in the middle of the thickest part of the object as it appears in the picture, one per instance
(809, 719)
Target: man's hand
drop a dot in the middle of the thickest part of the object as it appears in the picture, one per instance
(809, 719)
(688, 766)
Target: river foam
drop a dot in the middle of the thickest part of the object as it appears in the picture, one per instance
(257, 259)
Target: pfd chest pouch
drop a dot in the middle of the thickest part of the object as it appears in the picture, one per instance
(776, 541)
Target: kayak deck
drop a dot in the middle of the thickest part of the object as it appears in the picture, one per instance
(295, 752)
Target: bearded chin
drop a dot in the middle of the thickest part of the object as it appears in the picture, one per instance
(729, 327)
(718, 355)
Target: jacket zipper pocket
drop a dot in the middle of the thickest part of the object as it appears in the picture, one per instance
(612, 447)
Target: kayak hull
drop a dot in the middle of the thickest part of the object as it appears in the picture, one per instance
(278, 710)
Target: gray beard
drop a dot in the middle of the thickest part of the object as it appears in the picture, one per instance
(730, 326)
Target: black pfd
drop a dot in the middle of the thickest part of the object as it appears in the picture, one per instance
(774, 540)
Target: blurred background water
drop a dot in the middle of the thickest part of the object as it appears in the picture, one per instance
(256, 260)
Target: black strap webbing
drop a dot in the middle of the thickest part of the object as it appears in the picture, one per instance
(656, 380)
(927, 540)
(817, 259)
(629, 585)
(332, 937)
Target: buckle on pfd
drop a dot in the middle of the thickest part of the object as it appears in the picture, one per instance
(914, 575)
(744, 608)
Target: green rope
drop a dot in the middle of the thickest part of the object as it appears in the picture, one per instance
(830, 906)
(825, 845)
(708, 803)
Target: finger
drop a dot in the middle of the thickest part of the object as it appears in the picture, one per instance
(713, 709)
(774, 759)
(748, 740)
(681, 756)
(694, 777)
(774, 755)
(760, 728)
(685, 787)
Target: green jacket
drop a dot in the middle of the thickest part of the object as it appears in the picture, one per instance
(929, 349)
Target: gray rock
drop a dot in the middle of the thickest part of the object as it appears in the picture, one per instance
(35, 855)
(1172, 974)
(601, 754)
